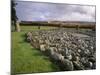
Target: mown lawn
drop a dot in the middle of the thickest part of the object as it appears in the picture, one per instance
(25, 59)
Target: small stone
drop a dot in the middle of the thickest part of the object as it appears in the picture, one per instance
(42, 47)
(86, 45)
(89, 65)
(92, 59)
(91, 47)
(82, 48)
(66, 50)
(41, 41)
(69, 57)
(73, 57)
(83, 60)
(79, 50)
(29, 39)
(68, 65)
(86, 52)
(94, 66)
(77, 65)
(57, 57)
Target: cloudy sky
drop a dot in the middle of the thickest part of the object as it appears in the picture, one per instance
(33, 11)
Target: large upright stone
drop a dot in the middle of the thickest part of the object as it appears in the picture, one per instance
(18, 26)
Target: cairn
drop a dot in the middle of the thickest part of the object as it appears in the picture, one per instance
(69, 51)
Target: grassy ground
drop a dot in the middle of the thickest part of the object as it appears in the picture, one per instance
(31, 28)
(25, 59)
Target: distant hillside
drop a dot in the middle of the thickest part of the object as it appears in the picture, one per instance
(59, 22)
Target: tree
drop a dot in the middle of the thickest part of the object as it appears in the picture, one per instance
(14, 17)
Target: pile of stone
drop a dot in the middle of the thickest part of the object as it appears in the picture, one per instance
(70, 52)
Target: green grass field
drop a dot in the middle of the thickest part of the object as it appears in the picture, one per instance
(31, 28)
(25, 59)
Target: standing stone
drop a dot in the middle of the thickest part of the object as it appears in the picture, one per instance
(18, 26)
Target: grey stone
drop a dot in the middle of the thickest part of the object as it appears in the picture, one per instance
(63, 46)
(42, 47)
(68, 65)
(78, 66)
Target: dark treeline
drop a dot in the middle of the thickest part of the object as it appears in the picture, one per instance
(85, 25)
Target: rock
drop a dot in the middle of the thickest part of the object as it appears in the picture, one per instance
(91, 47)
(57, 57)
(68, 65)
(69, 57)
(83, 60)
(94, 66)
(86, 46)
(63, 46)
(41, 41)
(28, 39)
(78, 66)
(82, 48)
(88, 65)
(92, 59)
(86, 52)
(42, 47)
(79, 50)
(73, 57)
(77, 58)
(64, 51)
(29, 36)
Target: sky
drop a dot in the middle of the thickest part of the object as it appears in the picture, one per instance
(39, 11)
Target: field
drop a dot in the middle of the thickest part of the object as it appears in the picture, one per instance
(25, 59)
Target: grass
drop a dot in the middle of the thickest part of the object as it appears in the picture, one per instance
(25, 59)
(31, 28)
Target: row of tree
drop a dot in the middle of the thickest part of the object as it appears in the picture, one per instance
(14, 18)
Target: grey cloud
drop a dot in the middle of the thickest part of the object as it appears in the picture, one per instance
(50, 11)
